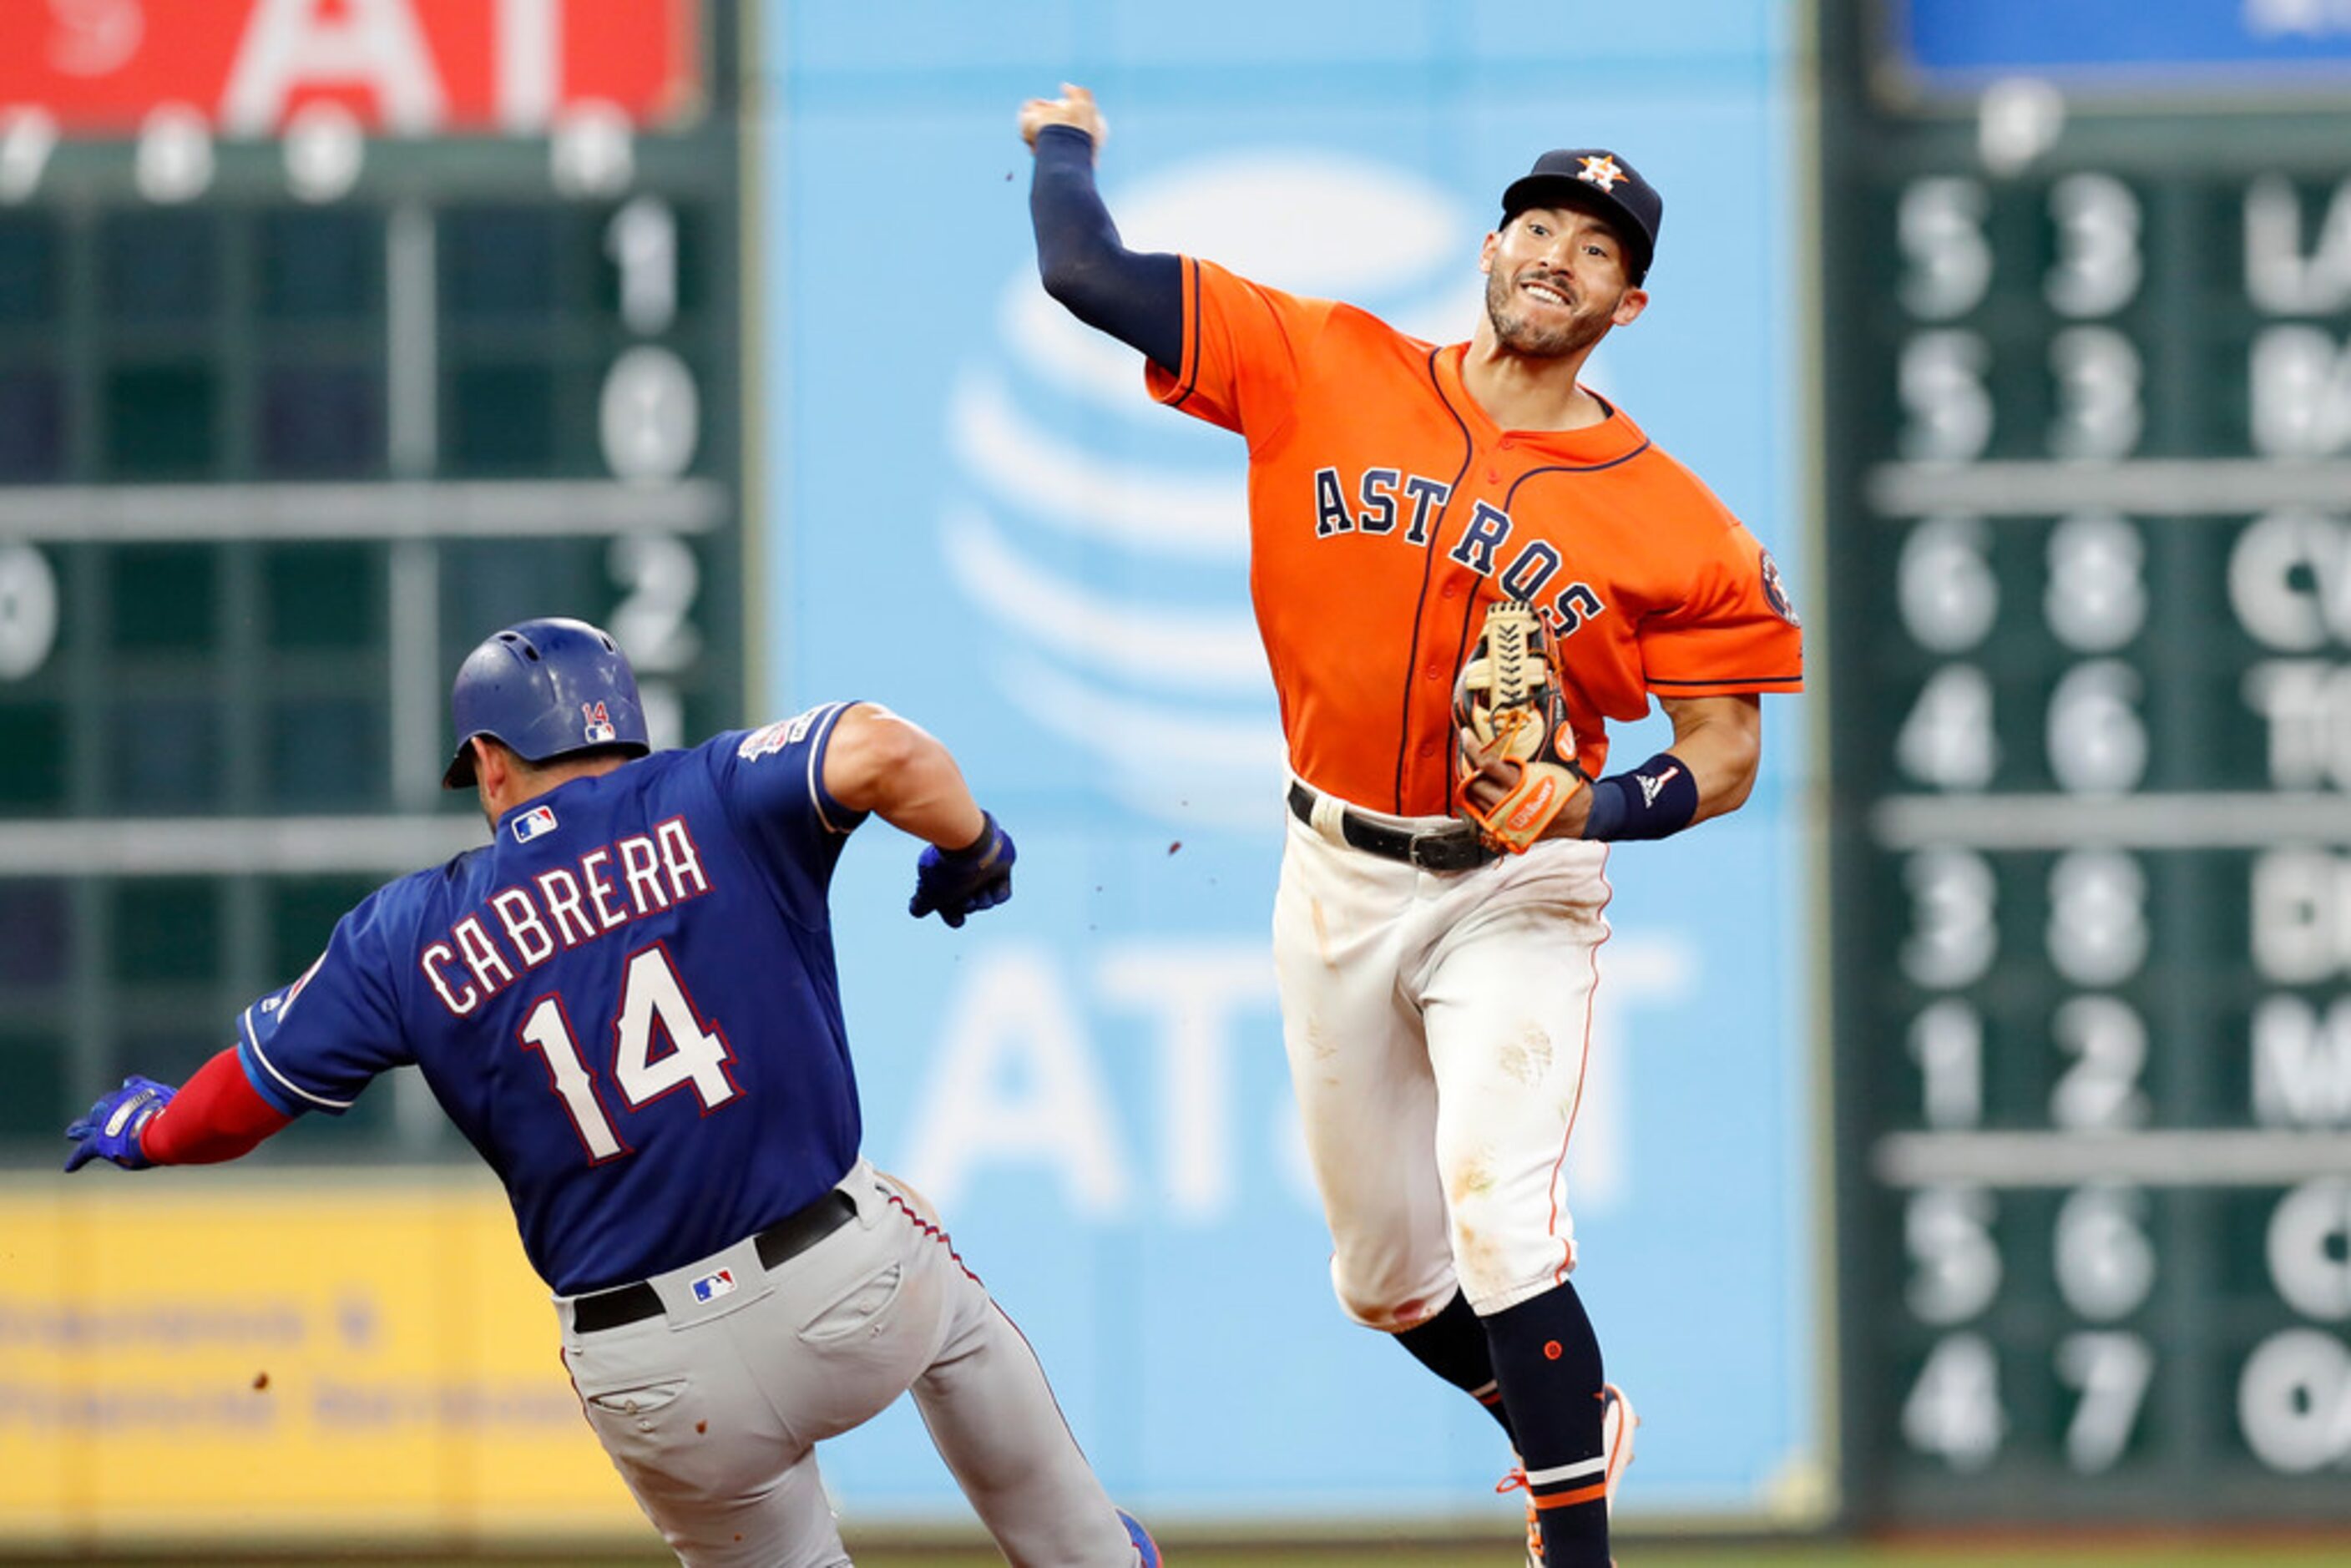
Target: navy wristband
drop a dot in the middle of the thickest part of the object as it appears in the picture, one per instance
(981, 849)
(1653, 801)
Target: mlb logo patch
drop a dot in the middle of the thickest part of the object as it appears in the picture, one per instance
(595, 722)
(710, 1287)
(531, 823)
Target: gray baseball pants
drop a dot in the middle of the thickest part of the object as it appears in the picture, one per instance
(711, 1410)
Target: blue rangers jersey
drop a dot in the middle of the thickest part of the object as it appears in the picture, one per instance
(626, 1001)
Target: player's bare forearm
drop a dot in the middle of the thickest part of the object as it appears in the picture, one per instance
(1569, 823)
(881, 763)
(1720, 740)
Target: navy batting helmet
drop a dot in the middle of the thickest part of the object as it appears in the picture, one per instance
(544, 688)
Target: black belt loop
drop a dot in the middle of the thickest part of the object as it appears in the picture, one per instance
(785, 1239)
(1454, 847)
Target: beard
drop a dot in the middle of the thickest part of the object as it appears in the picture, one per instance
(1520, 336)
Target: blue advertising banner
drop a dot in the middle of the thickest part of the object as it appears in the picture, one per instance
(2199, 43)
(983, 523)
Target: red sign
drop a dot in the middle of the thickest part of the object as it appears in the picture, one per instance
(405, 66)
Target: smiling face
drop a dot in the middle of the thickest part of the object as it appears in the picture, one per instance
(1556, 281)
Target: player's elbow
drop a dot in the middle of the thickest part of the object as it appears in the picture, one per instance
(1732, 777)
(1074, 280)
(870, 753)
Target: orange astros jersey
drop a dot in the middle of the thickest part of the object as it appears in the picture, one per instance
(1386, 511)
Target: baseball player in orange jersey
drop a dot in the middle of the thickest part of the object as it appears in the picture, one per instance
(1435, 976)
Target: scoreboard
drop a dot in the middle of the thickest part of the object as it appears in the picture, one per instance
(332, 337)
(2087, 306)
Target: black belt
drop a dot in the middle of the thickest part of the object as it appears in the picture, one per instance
(787, 1238)
(1454, 847)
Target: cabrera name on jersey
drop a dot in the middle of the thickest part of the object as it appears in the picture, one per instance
(626, 1001)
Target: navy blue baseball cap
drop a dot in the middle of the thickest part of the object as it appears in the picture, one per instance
(1594, 179)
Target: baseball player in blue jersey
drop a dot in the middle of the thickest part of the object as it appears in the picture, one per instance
(627, 1002)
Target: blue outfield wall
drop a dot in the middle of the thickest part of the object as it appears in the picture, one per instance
(979, 519)
(2181, 42)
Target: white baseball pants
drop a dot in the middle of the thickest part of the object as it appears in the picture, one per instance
(1436, 1025)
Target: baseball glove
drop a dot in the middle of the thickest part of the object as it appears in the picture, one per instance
(1510, 726)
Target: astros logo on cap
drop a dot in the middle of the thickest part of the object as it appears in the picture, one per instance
(1602, 171)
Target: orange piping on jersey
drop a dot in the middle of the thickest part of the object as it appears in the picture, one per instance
(1583, 1072)
(1427, 567)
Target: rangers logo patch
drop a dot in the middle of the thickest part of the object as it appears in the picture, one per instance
(771, 738)
(595, 724)
(531, 823)
(765, 742)
(710, 1287)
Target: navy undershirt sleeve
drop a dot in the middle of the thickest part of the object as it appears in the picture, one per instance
(1134, 297)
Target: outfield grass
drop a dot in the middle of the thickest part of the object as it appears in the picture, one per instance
(2065, 1554)
(1503, 1555)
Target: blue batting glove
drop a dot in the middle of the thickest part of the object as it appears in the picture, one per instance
(955, 882)
(110, 1130)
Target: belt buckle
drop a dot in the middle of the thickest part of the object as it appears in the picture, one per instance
(1445, 850)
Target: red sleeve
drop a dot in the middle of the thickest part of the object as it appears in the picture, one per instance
(217, 1116)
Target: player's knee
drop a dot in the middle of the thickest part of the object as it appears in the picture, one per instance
(1405, 1314)
(1387, 1305)
(1505, 1255)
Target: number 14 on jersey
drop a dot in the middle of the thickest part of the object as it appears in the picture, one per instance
(652, 1001)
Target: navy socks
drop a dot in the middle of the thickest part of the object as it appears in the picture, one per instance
(1547, 1360)
(1453, 1344)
